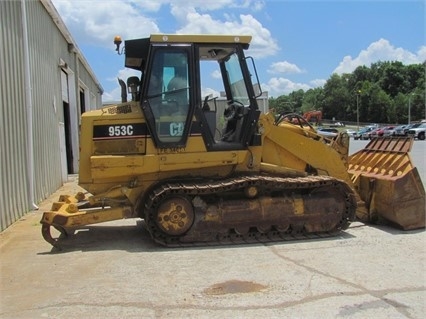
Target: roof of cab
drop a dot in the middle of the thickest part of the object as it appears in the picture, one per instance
(200, 38)
(137, 49)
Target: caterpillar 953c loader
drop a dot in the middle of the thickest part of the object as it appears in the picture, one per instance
(162, 158)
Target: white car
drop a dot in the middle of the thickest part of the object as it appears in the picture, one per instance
(328, 132)
(418, 132)
(399, 130)
(350, 132)
(388, 130)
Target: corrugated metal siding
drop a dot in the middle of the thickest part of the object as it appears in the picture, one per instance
(47, 45)
(44, 44)
(13, 136)
(93, 87)
(86, 78)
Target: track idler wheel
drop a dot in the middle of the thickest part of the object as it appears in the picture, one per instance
(175, 215)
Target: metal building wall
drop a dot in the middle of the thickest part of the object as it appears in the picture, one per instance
(13, 128)
(51, 52)
(44, 42)
(95, 100)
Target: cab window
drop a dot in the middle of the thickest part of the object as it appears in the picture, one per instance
(168, 94)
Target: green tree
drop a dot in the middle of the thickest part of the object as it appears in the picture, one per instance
(282, 104)
(312, 100)
(401, 109)
(336, 98)
(374, 104)
(393, 79)
(296, 100)
(383, 92)
(416, 101)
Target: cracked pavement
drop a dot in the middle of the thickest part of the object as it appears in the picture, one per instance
(114, 270)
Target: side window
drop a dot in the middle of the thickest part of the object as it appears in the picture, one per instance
(213, 100)
(236, 80)
(168, 94)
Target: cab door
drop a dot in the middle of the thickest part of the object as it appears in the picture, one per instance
(167, 95)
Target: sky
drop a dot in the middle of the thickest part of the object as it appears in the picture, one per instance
(296, 44)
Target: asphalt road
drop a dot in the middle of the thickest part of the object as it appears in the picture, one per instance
(114, 270)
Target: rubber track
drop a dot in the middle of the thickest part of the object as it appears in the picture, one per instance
(229, 236)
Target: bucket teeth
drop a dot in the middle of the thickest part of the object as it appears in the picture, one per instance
(389, 183)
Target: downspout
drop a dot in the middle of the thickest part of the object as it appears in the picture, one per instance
(29, 106)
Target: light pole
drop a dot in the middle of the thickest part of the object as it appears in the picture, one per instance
(357, 109)
(409, 107)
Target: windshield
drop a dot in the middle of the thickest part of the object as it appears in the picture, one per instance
(236, 80)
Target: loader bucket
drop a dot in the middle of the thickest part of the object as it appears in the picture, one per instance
(388, 182)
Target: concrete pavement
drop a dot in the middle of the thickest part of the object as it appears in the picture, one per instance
(114, 270)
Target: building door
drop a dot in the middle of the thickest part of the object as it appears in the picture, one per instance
(82, 101)
(67, 138)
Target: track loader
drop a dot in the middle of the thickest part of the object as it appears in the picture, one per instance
(202, 170)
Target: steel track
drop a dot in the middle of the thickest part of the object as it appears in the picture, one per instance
(229, 236)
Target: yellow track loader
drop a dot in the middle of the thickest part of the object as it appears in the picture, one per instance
(213, 169)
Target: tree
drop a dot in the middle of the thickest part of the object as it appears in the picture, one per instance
(393, 79)
(383, 92)
(416, 100)
(401, 109)
(296, 98)
(374, 103)
(336, 98)
(311, 100)
(282, 104)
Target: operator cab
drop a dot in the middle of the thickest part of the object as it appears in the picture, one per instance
(176, 70)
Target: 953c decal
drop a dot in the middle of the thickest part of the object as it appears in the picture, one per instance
(118, 131)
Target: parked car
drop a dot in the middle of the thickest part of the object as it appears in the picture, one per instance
(360, 134)
(410, 126)
(337, 124)
(371, 134)
(350, 132)
(418, 131)
(390, 132)
(386, 131)
(399, 130)
(327, 132)
(381, 131)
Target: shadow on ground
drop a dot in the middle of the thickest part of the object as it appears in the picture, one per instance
(135, 238)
